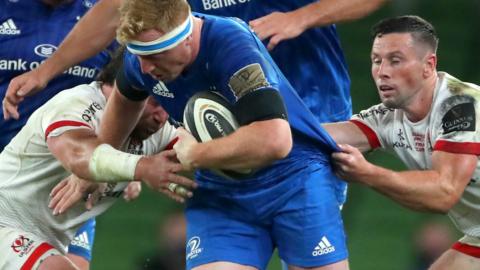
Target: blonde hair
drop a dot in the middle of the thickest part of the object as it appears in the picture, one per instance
(137, 16)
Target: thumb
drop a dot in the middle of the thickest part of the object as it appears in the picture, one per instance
(169, 153)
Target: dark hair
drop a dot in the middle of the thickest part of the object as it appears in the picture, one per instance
(108, 73)
(421, 30)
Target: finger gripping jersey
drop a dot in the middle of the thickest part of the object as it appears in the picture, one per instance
(452, 125)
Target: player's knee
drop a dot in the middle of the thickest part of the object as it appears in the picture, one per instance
(57, 262)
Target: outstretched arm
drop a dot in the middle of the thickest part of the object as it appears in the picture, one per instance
(435, 190)
(93, 33)
(348, 133)
(280, 26)
(83, 154)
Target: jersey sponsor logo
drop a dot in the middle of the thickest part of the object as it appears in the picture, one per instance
(247, 79)
(460, 117)
(323, 247)
(375, 111)
(24, 66)
(14, 65)
(8, 27)
(216, 4)
(194, 246)
(81, 240)
(89, 112)
(80, 71)
(45, 50)
(161, 89)
(22, 245)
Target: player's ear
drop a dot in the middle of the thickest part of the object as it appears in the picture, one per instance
(430, 65)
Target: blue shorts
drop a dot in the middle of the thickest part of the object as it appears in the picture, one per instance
(82, 243)
(299, 215)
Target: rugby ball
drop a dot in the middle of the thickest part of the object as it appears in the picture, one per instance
(207, 116)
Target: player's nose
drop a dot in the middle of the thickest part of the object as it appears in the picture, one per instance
(146, 66)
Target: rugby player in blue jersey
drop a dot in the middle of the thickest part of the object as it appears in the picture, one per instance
(290, 202)
(302, 39)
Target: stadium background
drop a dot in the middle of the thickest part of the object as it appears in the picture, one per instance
(380, 232)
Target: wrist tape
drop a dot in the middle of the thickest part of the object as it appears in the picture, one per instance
(110, 165)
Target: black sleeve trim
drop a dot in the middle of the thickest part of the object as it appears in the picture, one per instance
(260, 105)
(126, 89)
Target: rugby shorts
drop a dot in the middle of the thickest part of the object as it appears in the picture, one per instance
(300, 215)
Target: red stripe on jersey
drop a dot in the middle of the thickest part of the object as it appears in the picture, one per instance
(371, 135)
(63, 123)
(36, 254)
(458, 147)
(467, 249)
(171, 143)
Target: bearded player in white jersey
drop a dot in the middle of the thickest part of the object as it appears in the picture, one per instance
(431, 120)
(59, 138)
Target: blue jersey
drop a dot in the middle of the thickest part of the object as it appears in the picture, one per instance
(313, 62)
(228, 49)
(30, 32)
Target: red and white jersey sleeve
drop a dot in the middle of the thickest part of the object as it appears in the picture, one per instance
(65, 113)
(452, 125)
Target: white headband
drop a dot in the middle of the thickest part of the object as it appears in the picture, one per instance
(165, 42)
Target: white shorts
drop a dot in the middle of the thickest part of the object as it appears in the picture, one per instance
(468, 245)
(22, 250)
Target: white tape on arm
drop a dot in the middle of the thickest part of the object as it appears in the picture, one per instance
(110, 165)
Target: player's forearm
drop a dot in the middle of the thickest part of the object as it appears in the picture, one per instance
(417, 190)
(119, 119)
(327, 12)
(93, 33)
(82, 153)
(74, 150)
(348, 133)
(252, 146)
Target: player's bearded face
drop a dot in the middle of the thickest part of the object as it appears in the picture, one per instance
(396, 69)
(153, 118)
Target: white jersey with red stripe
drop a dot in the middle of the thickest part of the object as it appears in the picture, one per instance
(452, 125)
(29, 171)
